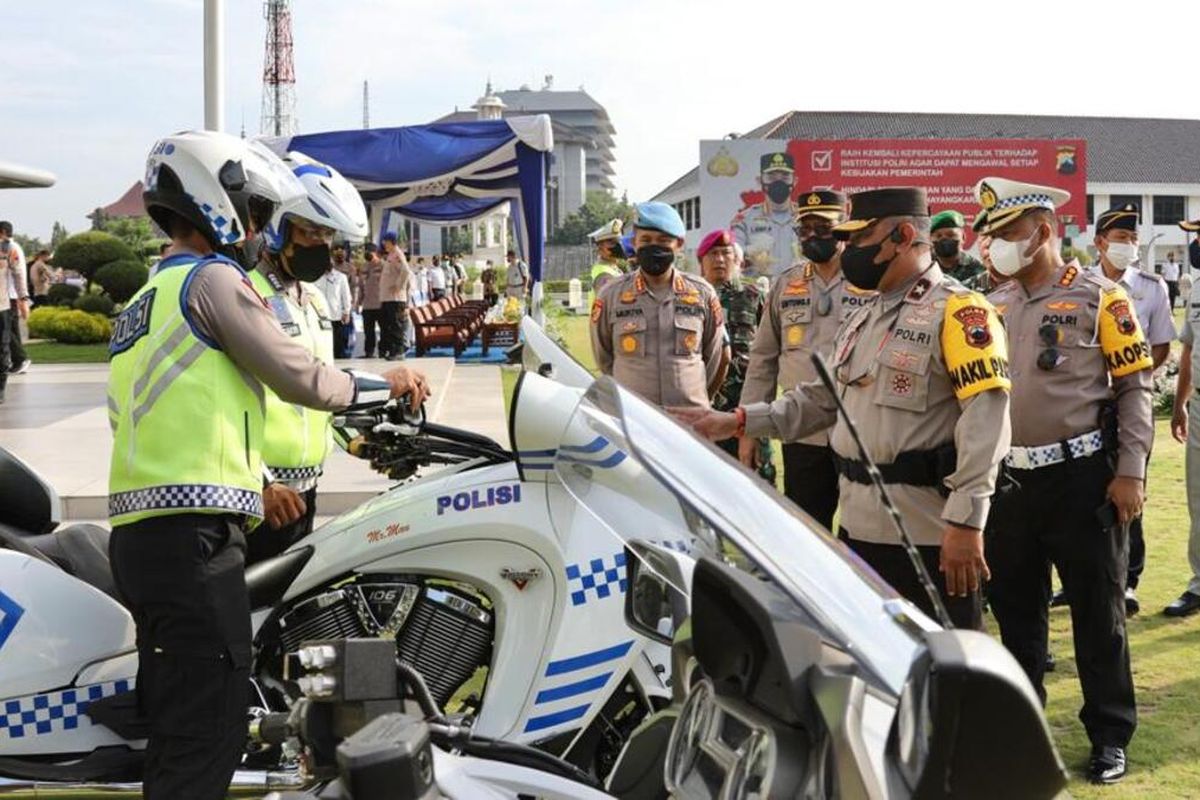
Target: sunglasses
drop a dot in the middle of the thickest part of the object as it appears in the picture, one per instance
(1051, 337)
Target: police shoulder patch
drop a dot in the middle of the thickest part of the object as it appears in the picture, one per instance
(132, 324)
(1121, 340)
(973, 345)
(597, 310)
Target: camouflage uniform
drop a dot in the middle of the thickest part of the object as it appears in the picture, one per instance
(743, 305)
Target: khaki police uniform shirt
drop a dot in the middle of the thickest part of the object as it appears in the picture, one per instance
(396, 277)
(765, 234)
(227, 310)
(665, 346)
(918, 368)
(1187, 331)
(1102, 354)
(793, 328)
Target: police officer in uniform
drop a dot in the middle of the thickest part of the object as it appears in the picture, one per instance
(947, 227)
(1117, 242)
(1081, 432)
(1185, 428)
(610, 256)
(296, 439)
(742, 305)
(922, 370)
(765, 230)
(189, 358)
(804, 311)
(658, 331)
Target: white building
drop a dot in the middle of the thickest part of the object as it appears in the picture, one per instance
(1152, 162)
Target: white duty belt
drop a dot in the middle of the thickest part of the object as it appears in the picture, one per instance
(1081, 446)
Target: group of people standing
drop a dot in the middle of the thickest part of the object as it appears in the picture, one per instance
(1013, 430)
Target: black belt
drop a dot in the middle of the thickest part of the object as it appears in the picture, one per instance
(911, 468)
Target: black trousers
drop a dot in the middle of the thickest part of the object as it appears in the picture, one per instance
(182, 577)
(341, 337)
(16, 350)
(265, 542)
(810, 480)
(1050, 518)
(395, 329)
(5, 333)
(372, 319)
(491, 298)
(892, 564)
(1172, 291)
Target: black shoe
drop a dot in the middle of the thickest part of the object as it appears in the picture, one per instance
(1187, 604)
(1132, 606)
(1058, 599)
(1107, 764)
(1051, 664)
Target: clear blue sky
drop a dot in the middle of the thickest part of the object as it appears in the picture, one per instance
(88, 86)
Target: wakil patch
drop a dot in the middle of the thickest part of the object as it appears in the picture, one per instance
(132, 324)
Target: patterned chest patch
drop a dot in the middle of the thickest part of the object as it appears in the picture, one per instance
(974, 321)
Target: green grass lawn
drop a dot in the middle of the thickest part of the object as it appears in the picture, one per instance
(1164, 756)
(55, 353)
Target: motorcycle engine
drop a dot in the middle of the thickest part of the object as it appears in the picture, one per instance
(442, 630)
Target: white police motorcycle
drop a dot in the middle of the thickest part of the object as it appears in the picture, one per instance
(798, 673)
(491, 582)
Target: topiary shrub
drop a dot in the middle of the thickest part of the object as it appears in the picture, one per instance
(69, 325)
(121, 279)
(63, 294)
(87, 252)
(96, 304)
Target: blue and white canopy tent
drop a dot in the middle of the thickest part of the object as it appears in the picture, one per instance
(445, 174)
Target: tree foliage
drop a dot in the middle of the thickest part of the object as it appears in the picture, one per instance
(87, 252)
(599, 208)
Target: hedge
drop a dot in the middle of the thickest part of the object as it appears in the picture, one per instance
(121, 279)
(69, 325)
(63, 294)
(96, 304)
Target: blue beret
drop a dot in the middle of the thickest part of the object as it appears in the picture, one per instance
(660, 217)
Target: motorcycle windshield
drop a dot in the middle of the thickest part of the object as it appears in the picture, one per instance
(646, 477)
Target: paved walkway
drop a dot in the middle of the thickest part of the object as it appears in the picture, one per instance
(55, 419)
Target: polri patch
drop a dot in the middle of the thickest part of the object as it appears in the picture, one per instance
(132, 324)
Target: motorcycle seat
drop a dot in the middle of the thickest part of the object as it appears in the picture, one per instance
(267, 581)
(80, 550)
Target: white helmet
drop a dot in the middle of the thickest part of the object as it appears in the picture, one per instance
(216, 182)
(330, 201)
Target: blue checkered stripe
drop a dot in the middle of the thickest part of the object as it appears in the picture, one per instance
(598, 578)
(206, 496)
(1042, 200)
(222, 227)
(296, 473)
(1050, 454)
(39, 714)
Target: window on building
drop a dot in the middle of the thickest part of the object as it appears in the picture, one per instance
(697, 212)
(1118, 200)
(1091, 209)
(1169, 209)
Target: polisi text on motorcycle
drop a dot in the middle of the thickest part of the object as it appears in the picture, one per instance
(479, 498)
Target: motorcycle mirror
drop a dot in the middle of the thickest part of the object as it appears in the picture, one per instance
(963, 695)
(656, 600)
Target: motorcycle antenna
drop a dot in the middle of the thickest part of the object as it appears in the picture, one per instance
(918, 565)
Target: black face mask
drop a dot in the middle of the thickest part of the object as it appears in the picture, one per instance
(859, 267)
(655, 259)
(819, 250)
(778, 191)
(307, 263)
(946, 248)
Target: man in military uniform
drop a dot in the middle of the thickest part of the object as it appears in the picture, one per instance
(1081, 432)
(923, 371)
(1185, 428)
(1117, 242)
(804, 310)
(742, 305)
(947, 235)
(765, 230)
(610, 256)
(658, 331)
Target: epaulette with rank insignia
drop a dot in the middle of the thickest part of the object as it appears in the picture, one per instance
(1068, 276)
